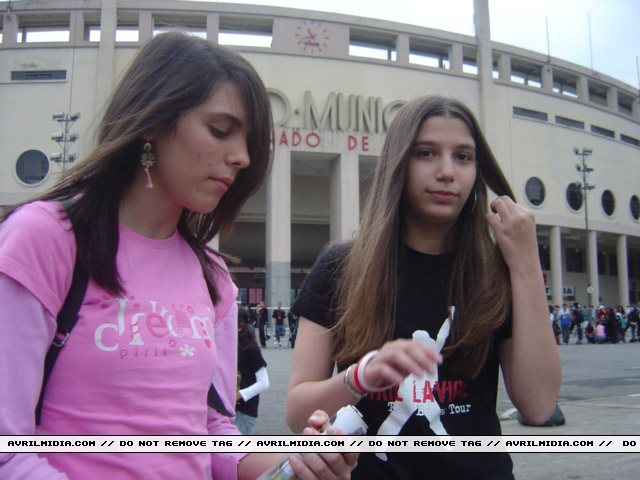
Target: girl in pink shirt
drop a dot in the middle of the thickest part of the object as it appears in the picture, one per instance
(183, 143)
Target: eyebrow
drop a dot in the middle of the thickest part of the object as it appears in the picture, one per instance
(429, 143)
(225, 116)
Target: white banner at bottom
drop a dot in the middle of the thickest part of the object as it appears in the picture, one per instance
(297, 443)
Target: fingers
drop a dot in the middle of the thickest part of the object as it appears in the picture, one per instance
(319, 420)
(398, 359)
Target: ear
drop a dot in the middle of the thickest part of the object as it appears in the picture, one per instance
(149, 136)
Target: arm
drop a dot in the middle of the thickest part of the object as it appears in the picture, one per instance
(262, 383)
(529, 359)
(27, 331)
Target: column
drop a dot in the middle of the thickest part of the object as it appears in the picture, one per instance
(278, 241)
(145, 25)
(623, 270)
(485, 68)
(213, 27)
(555, 241)
(583, 88)
(612, 101)
(456, 59)
(504, 67)
(76, 27)
(344, 197)
(547, 78)
(106, 50)
(9, 29)
(593, 261)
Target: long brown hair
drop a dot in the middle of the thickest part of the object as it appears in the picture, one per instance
(171, 74)
(368, 285)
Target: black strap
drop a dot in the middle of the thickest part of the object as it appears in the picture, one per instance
(66, 320)
(68, 317)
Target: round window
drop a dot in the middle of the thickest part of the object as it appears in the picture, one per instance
(32, 166)
(608, 202)
(574, 196)
(634, 205)
(534, 190)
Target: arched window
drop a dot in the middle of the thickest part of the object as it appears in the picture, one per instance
(534, 191)
(608, 202)
(32, 167)
(574, 196)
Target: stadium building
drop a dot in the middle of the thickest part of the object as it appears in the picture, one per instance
(335, 83)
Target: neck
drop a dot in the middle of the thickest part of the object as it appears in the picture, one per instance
(430, 239)
(147, 212)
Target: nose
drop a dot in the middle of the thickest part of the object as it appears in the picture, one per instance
(446, 170)
(238, 154)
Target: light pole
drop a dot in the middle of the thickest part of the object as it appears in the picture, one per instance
(585, 187)
(65, 139)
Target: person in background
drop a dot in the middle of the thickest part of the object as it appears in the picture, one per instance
(634, 319)
(437, 292)
(292, 318)
(278, 316)
(565, 323)
(252, 378)
(183, 143)
(263, 320)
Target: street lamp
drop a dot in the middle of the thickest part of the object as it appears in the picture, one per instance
(585, 187)
(64, 139)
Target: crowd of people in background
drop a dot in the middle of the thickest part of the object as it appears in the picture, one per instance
(607, 325)
(258, 318)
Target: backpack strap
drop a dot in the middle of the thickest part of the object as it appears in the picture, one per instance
(66, 319)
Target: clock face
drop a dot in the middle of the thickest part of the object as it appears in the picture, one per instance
(312, 36)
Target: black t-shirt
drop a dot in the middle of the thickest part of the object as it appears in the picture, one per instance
(249, 362)
(443, 405)
(279, 315)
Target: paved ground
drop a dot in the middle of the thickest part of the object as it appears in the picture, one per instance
(600, 394)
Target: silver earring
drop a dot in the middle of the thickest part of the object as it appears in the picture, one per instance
(147, 160)
(475, 201)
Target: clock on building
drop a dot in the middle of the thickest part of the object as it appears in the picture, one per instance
(312, 36)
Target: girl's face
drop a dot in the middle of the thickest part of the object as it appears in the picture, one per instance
(198, 161)
(441, 172)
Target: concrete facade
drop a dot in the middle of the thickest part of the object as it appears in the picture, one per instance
(331, 108)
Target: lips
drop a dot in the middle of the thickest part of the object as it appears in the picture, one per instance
(443, 196)
(224, 183)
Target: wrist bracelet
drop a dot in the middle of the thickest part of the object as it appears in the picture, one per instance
(359, 374)
(352, 390)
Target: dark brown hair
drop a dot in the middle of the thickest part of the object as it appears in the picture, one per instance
(368, 285)
(171, 74)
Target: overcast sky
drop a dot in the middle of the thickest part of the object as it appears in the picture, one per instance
(615, 25)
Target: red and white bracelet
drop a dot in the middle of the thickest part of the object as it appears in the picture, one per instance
(358, 375)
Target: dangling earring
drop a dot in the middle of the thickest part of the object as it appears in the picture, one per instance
(147, 160)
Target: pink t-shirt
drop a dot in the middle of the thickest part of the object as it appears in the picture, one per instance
(139, 365)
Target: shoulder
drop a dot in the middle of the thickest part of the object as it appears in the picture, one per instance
(226, 288)
(37, 249)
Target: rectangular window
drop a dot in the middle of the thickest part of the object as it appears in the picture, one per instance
(574, 258)
(565, 83)
(469, 60)
(569, 122)
(36, 28)
(613, 265)
(192, 24)
(602, 263)
(545, 259)
(372, 44)
(631, 140)
(426, 52)
(534, 114)
(526, 73)
(36, 75)
(603, 131)
(245, 31)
